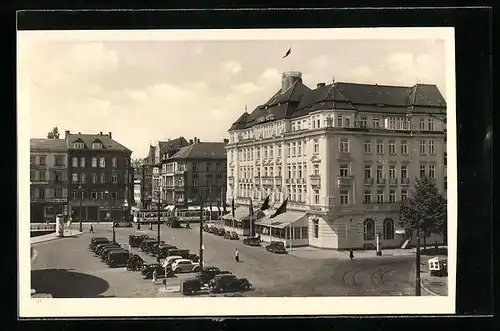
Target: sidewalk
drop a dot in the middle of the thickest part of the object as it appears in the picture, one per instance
(433, 285)
(52, 236)
(324, 254)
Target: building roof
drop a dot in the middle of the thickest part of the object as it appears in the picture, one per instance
(172, 145)
(48, 144)
(202, 150)
(299, 100)
(108, 143)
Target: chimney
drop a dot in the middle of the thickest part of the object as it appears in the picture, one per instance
(289, 78)
(333, 80)
(109, 135)
(320, 85)
(196, 140)
(66, 134)
(100, 133)
(190, 141)
(226, 141)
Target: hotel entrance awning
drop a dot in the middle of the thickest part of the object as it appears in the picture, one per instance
(239, 213)
(283, 220)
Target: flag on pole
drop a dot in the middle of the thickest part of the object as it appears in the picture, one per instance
(224, 206)
(218, 207)
(280, 210)
(232, 207)
(265, 204)
(288, 52)
(251, 208)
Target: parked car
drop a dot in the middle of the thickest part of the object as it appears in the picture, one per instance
(208, 273)
(228, 283)
(190, 286)
(118, 258)
(135, 240)
(153, 249)
(96, 241)
(213, 229)
(276, 247)
(220, 231)
(251, 241)
(146, 244)
(193, 257)
(231, 235)
(134, 263)
(173, 222)
(98, 250)
(170, 260)
(148, 269)
(206, 228)
(105, 252)
(185, 265)
(179, 252)
(165, 250)
(123, 224)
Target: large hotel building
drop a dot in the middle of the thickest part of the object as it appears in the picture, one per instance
(343, 154)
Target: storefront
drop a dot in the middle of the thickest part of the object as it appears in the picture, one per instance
(241, 222)
(290, 227)
(46, 210)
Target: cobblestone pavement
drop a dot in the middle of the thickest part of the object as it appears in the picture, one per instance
(66, 268)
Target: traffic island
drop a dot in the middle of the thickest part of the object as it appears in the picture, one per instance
(433, 285)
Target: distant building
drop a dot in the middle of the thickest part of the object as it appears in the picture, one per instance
(100, 177)
(147, 179)
(48, 179)
(137, 192)
(343, 154)
(196, 173)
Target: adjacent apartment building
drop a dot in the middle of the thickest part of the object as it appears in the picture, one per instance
(196, 173)
(100, 177)
(343, 154)
(48, 179)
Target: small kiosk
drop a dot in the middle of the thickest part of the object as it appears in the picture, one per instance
(59, 225)
(438, 266)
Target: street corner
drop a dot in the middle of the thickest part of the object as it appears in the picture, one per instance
(435, 286)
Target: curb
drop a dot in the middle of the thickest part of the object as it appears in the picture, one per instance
(52, 237)
(428, 290)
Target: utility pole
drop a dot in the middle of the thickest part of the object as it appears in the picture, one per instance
(81, 198)
(113, 218)
(158, 229)
(417, 268)
(201, 234)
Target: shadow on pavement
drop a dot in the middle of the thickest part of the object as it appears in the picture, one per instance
(63, 283)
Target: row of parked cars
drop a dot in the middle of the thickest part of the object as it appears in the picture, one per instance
(109, 252)
(220, 231)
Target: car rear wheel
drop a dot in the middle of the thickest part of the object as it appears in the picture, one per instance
(178, 270)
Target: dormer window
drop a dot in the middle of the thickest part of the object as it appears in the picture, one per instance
(96, 145)
(78, 144)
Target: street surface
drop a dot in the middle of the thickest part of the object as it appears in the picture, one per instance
(66, 268)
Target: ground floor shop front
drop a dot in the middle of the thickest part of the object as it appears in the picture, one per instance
(355, 231)
(46, 211)
(98, 213)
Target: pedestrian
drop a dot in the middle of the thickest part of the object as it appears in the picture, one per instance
(436, 246)
(351, 254)
(91, 229)
(138, 226)
(154, 276)
(237, 255)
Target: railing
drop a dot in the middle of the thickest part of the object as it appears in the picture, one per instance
(405, 181)
(344, 180)
(368, 181)
(315, 180)
(381, 181)
(393, 181)
(268, 180)
(42, 227)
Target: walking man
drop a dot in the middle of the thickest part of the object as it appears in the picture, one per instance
(237, 255)
(351, 254)
(91, 229)
(154, 276)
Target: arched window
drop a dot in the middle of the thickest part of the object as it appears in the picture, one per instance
(369, 229)
(388, 228)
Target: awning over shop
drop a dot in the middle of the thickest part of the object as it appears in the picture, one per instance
(194, 208)
(239, 213)
(257, 215)
(282, 220)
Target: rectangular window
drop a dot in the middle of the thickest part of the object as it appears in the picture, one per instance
(316, 197)
(82, 162)
(96, 145)
(404, 147)
(344, 197)
(392, 171)
(368, 171)
(305, 232)
(404, 171)
(316, 146)
(363, 122)
(279, 150)
(344, 145)
(209, 167)
(422, 124)
(74, 162)
(422, 147)
(299, 148)
(380, 147)
(316, 169)
(404, 195)
(432, 147)
(380, 171)
(194, 168)
(43, 177)
(103, 178)
(316, 228)
(78, 145)
(347, 122)
(93, 195)
(376, 122)
(392, 196)
(368, 196)
(94, 162)
(392, 147)
(113, 195)
(339, 121)
(380, 196)
(422, 170)
(344, 170)
(74, 178)
(114, 178)
(430, 123)
(368, 146)
(114, 161)
(432, 171)
(102, 162)
(42, 160)
(82, 178)
(294, 148)
(75, 195)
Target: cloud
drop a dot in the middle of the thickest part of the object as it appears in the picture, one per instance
(271, 75)
(320, 62)
(233, 67)
(361, 74)
(246, 88)
(136, 95)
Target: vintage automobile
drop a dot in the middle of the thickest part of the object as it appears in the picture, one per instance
(96, 241)
(206, 228)
(231, 235)
(251, 241)
(228, 283)
(276, 247)
(99, 248)
(213, 229)
(190, 286)
(164, 250)
(146, 244)
(208, 273)
(135, 240)
(193, 257)
(153, 249)
(179, 252)
(170, 260)
(148, 269)
(105, 252)
(134, 263)
(122, 224)
(173, 222)
(117, 258)
(185, 265)
(220, 231)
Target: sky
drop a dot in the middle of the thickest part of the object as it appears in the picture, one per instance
(143, 91)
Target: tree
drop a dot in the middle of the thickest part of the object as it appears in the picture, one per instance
(427, 204)
(54, 134)
(137, 165)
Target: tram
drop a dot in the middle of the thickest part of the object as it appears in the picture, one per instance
(150, 216)
(190, 215)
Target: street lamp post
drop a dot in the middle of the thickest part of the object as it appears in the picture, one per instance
(158, 229)
(201, 234)
(111, 217)
(81, 200)
(417, 257)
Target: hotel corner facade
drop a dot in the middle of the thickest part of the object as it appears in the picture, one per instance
(343, 154)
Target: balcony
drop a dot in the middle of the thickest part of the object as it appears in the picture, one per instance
(288, 180)
(178, 172)
(393, 181)
(230, 180)
(256, 180)
(369, 181)
(344, 181)
(179, 188)
(405, 181)
(278, 179)
(315, 180)
(380, 181)
(267, 180)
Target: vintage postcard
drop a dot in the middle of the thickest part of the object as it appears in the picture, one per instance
(237, 172)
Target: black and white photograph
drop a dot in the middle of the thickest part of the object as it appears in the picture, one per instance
(236, 172)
